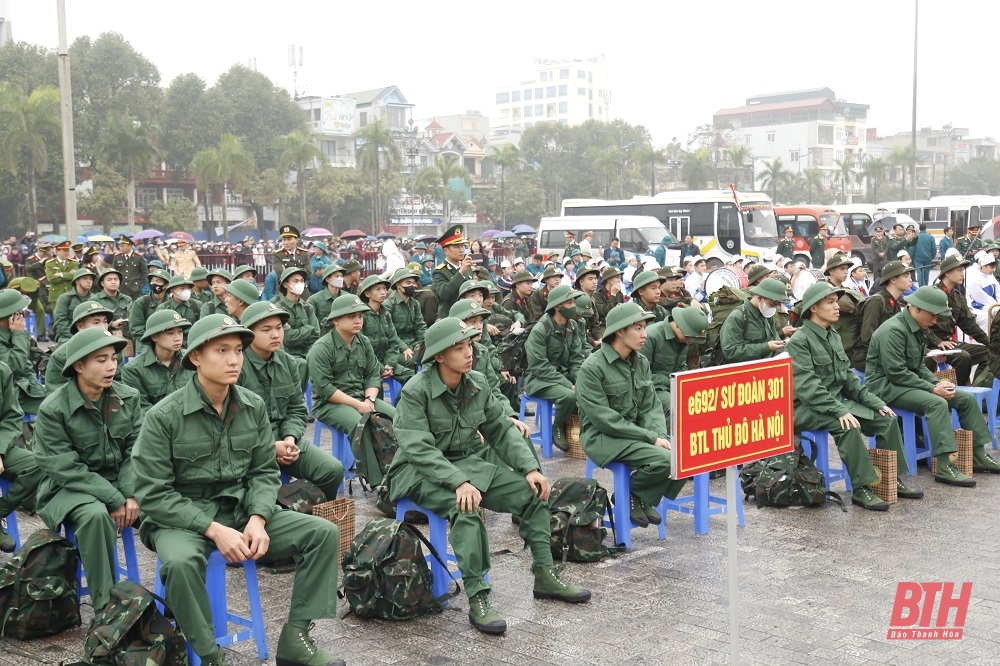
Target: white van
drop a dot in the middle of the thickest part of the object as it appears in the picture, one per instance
(635, 233)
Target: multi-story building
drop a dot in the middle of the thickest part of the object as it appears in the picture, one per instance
(334, 118)
(562, 91)
(938, 150)
(5, 27)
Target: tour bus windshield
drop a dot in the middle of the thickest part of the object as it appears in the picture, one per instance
(834, 224)
(763, 228)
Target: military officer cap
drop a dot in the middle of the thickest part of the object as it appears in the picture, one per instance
(950, 264)
(12, 301)
(288, 231)
(972, 227)
(820, 290)
(85, 343)
(212, 327)
(551, 272)
(560, 295)
(244, 290)
(609, 273)
(446, 333)
(523, 276)
(260, 311)
(107, 271)
(453, 236)
(345, 305)
(584, 305)
(400, 275)
(64, 245)
(465, 308)
(163, 320)
(330, 270)
(243, 268)
(570, 233)
(25, 285)
(82, 272)
(351, 266)
(89, 309)
(587, 270)
(693, 323)
(879, 228)
(759, 272)
(836, 261)
(199, 273)
(44, 246)
(370, 282)
(473, 285)
(644, 278)
(217, 272)
(624, 315)
(78, 248)
(420, 246)
(179, 281)
(771, 289)
(124, 240)
(930, 299)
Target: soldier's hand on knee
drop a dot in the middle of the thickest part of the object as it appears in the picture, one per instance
(848, 421)
(131, 511)
(229, 542)
(539, 484)
(944, 390)
(946, 344)
(663, 443)
(887, 411)
(467, 498)
(521, 426)
(256, 538)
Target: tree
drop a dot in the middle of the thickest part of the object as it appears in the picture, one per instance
(525, 199)
(605, 163)
(698, 169)
(269, 188)
(874, 171)
(902, 157)
(299, 149)
(178, 215)
(376, 144)
(977, 176)
(28, 125)
(506, 157)
(227, 163)
(446, 168)
(813, 182)
(647, 154)
(739, 154)
(341, 197)
(28, 66)
(188, 121)
(845, 170)
(105, 204)
(127, 144)
(774, 176)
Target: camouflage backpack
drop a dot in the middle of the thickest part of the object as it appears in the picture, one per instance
(722, 302)
(577, 508)
(386, 575)
(788, 479)
(372, 461)
(38, 588)
(513, 355)
(300, 495)
(131, 631)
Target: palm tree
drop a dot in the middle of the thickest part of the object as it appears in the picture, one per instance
(902, 157)
(698, 168)
(26, 123)
(774, 176)
(506, 157)
(372, 142)
(605, 162)
(845, 167)
(649, 154)
(813, 180)
(447, 168)
(739, 154)
(227, 163)
(128, 147)
(299, 149)
(873, 171)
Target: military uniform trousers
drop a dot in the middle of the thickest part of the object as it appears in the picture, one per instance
(184, 556)
(564, 400)
(650, 465)
(20, 469)
(317, 467)
(97, 540)
(938, 413)
(403, 371)
(971, 354)
(852, 444)
(508, 493)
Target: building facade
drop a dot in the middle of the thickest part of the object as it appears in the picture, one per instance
(938, 150)
(5, 26)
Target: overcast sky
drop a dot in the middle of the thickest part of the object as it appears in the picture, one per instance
(672, 63)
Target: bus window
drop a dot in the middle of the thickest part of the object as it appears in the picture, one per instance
(729, 220)
(702, 219)
(807, 226)
(959, 220)
(834, 226)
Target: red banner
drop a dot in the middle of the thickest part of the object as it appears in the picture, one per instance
(731, 415)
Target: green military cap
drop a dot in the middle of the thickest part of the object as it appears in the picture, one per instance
(452, 236)
(415, 267)
(243, 268)
(665, 272)
(402, 274)
(587, 270)
(480, 273)
(244, 290)
(473, 285)
(896, 268)
(199, 273)
(345, 305)
(610, 273)
(331, 269)
(12, 301)
(759, 272)
(523, 276)
(931, 300)
(420, 246)
(25, 285)
(465, 308)
(288, 231)
(292, 270)
(158, 273)
(769, 288)
(82, 272)
(179, 281)
(163, 320)
(85, 343)
(817, 292)
(89, 309)
(950, 264)
(262, 310)
(351, 266)
(550, 272)
(836, 261)
(624, 315)
(446, 333)
(693, 323)
(217, 272)
(108, 271)
(212, 327)
(370, 282)
(493, 289)
(560, 295)
(644, 278)
(584, 306)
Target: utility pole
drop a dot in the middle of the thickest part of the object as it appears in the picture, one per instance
(66, 118)
(913, 127)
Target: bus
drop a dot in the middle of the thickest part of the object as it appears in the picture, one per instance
(859, 221)
(976, 210)
(725, 228)
(805, 221)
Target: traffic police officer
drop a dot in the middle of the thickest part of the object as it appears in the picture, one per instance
(450, 274)
(290, 255)
(157, 371)
(59, 272)
(62, 313)
(131, 267)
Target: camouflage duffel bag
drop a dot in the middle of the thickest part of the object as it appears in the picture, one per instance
(38, 588)
(577, 508)
(131, 631)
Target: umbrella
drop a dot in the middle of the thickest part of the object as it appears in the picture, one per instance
(426, 237)
(989, 231)
(385, 234)
(353, 233)
(182, 236)
(371, 238)
(147, 233)
(52, 238)
(489, 232)
(314, 232)
(505, 234)
(523, 229)
(99, 238)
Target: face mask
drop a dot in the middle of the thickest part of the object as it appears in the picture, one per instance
(183, 295)
(569, 313)
(297, 288)
(409, 291)
(157, 288)
(337, 282)
(767, 311)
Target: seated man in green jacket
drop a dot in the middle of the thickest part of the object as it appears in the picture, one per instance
(407, 316)
(87, 315)
(15, 350)
(180, 299)
(457, 452)
(62, 312)
(157, 371)
(303, 327)
(213, 303)
(381, 332)
(749, 332)
(83, 444)
(207, 479)
(17, 464)
(666, 349)
(144, 306)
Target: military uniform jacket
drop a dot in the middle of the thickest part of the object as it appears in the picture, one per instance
(10, 411)
(817, 250)
(897, 243)
(745, 333)
(322, 303)
(618, 406)
(283, 259)
(85, 449)
(334, 366)
(153, 380)
(279, 384)
(34, 267)
(407, 318)
(446, 282)
(659, 312)
(880, 246)
(961, 316)
(62, 313)
(536, 304)
(438, 434)
(489, 365)
(381, 333)
(190, 309)
(211, 306)
(848, 325)
(15, 350)
(120, 304)
(199, 299)
(513, 315)
(189, 461)
(786, 248)
(967, 247)
(671, 301)
(134, 271)
(603, 303)
(554, 354)
(665, 353)
(514, 303)
(302, 329)
(896, 359)
(60, 276)
(824, 383)
(139, 312)
(875, 311)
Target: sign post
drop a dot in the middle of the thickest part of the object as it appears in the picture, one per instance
(727, 416)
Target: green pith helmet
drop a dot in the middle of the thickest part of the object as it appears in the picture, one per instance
(262, 310)
(346, 304)
(163, 320)
(624, 315)
(211, 327)
(446, 333)
(85, 343)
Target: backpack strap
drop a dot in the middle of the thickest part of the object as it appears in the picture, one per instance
(433, 551)
(834, 497)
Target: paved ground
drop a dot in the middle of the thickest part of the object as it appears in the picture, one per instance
(816, 587)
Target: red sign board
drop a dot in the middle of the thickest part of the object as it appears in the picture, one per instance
(730, 415)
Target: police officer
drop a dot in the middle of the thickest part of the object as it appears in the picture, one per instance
(450, 274)
(86, 315)
(131, 267)
(786, 246)
(180, 299)
(830, 397)
(290, 254)
(157, 371)
(220, 493)
(15, 350)
(83, 444)
(218, 280)
(146, 305)
(379, 330)
(443, 465)
(880, 307)
(240, 294)
(322, 301)
(646, 293)
(941, 334)
(17, 464)
(407, 317)
(666, 349)
(110, 294)
(880, 253)
(62, 313)
(749, 332)
(59, 272)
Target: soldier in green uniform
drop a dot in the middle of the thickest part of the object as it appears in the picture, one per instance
(144, 306)
(585, 319)
(17, 464)
(245, 272)
(620, 416)
(520, 292)
(828, 396)
(572, 247)
(646, 293)
(34, 268)
(457, 452)
(207, 479)
(672, 291)
(899, 241)
(970, 243)
(941, 334)
(817, 247)
(59, 272)
(218, 280)
(896, 373)
(62, 313)
(880, 254)
(290, 255)
(240, 294)
(538, 301)
(322, 301)
(352, 276)
(450, 274)
(407, 317)
(666, 349)
(554, 357)
(379, 329)
(110, 296)
(303, 327)
(15, 350)
(180, 299)
(607, 296)
(157, 371)
(131, 267)
(86, 315)
(749, 332)
(880, 307)
(270, 372)
(200, 290)
(83, 444)
(848, 323)
(786, 246)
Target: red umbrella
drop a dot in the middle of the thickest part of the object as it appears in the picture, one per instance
(180, 235)
(353, 233)
(989, 231)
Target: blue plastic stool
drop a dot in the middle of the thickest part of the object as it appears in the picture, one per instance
(821, 440)
(215, 581)
(620, 510)
(985, 398)
(701, 505)
(910, 450)
(341, 447)
(129, 571)
(544, 412)
(11, 517)
(392, 387)
(30, 325)
(309, 397)
(861, 376)
(994, 424)
(438, 527)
